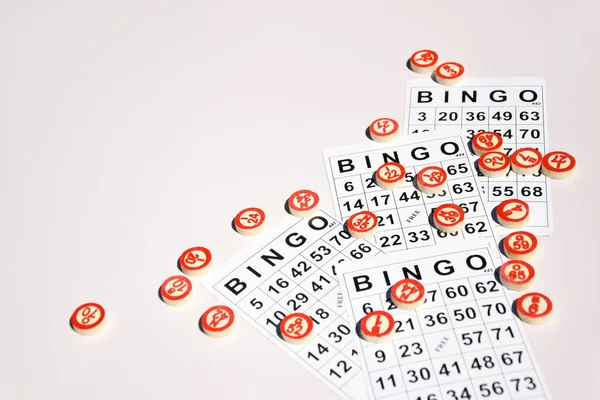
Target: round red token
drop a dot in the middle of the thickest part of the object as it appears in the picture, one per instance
(303, 203)
(175, 291)
(431, 179)
(195, 261)
(217, 321)
(296, 328)
(449, 73)
(494, 164)
(520, 245)
(558, 165)
(362, 225)
(390, 175)
(423, 61)
(486, 141)
(377, 326)
(384, 130)
(88, 319)
(534, 308)
(448, 218)
(516, 275)
(250, 221)
(513, 213)
(526, 161)
(408, 294)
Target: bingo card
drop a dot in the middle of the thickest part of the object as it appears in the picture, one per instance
(515, 108)
(463, 342)
(293, 269)
(404, 213)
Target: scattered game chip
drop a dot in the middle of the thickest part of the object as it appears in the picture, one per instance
(362, 225)
(534, 308)
(250, 221)
(303, 203)
(423, 61)
(448, 218)
(384, 130)
(217, 321)
(558, 165)
(377, 327)
(176, 290)
(88, 319)
(494, 164)
(513, 213)
(516, 275)
(449, 73)
(526, 161)
(390, 175)
(431, 180)
(407, 294)
(297, 328)
(195, 261)
(520, 245)
(486, 141)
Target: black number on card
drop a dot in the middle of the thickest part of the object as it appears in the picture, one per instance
(415, 375)
(451, 116)
(380, 356)
(533, 133)
(421, 235)
(505, 116)
(475, 227)
(468, 338)
(469, 313)
(486, 362)
(302, 267)
(321, 349)
(384, 202)
(470, 206)
(466, 187)
(345, 368)
(358, 253)
(413, 350)
(381, 220)
(463, 395)
(529, 115)
(357, 204)
(487, 287)
(256, 303)
(444, 370)
(455, 169)
(499, 331)
(527, 191)
(370, 183)
(499, 308)
(471, 116)
(422, 116)
(278, 315)
(343, 234)
(296, 303)
(440, 318)
(460, 290)
(382, 382)
(282, 283)
(528, 380)
(405, 197)
(399, 324)
(511, 357)
(342, 329)
(486, 390)
(392, 240)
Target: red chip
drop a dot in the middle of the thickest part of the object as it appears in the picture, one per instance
(303, 203)
(486, 141)
(526, 161)
(516, 275)
(362, 224)
(390, 175)
(431, 179)
(494, 164)
(217, 321)
(449, 73)
(195, 261)
(296, 328)
(423, 61)
(513, 213)
(408, 294)
(384, 130)
(558, 165)
(534, 308)
(88, 318)
(448, 218)
(377, 326)
(250, 221)
(520, 245)
(175, 290)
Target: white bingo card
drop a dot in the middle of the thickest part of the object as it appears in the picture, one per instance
(404, 214)
(292, 268)
(513, 107)
(464, 342)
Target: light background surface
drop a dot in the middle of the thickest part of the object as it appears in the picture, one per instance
(132, 130)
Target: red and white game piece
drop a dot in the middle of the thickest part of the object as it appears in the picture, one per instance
(362, 225)
(384, 130)
(526, 161)
(558, 165)
(448, 218)
(408, 294)
(176, 290)
(88, 319)
(431, 180)
(217, 321)
(516, 274)
(513, 213)
(494, 164)
(303, 203)
(449, 73)
(250, 221)
(423, 61)
(486, 141)
(377, 327)
(195, 261)
(390, 175)
(534, 308)
(520, 245)
(296, 328)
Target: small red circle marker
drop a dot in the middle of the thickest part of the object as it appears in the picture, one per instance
(516, 275)
(423, 61)
(362, 225)
(449, 73)
(448, 218)
(390, 175)
(558, 165)
(377, 327)
(250, 221)
(297, 328)
(486, 141)
(217, 321)
(534, 308)
(520, 245)
(195, 261)
(176, 290)
(513, 213)
(384, 130)
(431, 180)
(408, 294)
(88, 319)
(526, 161)
(494, 164)
(303, 203)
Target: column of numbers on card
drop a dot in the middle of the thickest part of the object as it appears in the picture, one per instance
(462, 343)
